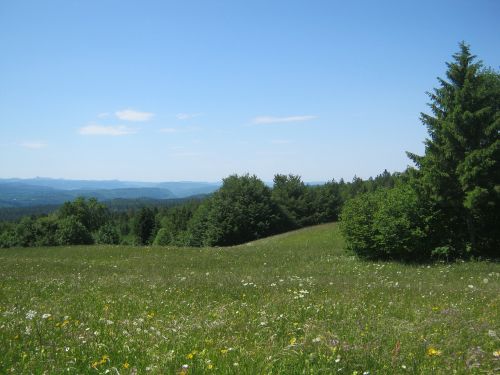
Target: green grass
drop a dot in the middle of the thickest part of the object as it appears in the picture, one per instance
(290, 304)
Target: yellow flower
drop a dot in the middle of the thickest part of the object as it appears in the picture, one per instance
(190, 356)
(64, 323)
(496, 354)
(126, 365)
(433, 352)
(95, 364)
(293, 340)
(224, 351)
(210, 366)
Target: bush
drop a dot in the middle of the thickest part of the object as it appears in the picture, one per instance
(72, 232)
(163, 237)
(386, 224)
(241, 211)
(107, 235)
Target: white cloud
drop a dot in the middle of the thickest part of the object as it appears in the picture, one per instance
(277, 120)
(34, 145)
(114, 130)
(131, 115)
(168, 130)
(187, 116)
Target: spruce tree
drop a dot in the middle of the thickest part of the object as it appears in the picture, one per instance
(459, 175)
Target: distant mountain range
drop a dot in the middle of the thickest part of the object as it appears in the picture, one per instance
(16, 192)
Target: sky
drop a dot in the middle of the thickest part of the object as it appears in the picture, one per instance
(198, 90)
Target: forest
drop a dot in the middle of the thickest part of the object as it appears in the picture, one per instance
(243, 209)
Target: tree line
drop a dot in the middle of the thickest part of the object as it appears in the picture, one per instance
(243, 209)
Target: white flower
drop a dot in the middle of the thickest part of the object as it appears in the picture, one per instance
(185, 367)
(317, 339)
(45, 316)
(30, 314)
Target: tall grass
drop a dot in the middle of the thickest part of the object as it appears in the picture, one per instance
(290, 304)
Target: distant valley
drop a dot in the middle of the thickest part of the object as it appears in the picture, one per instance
(16, 193)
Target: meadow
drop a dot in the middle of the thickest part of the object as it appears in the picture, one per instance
(295, 303)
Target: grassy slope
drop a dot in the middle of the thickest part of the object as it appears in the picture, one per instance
(294, 303)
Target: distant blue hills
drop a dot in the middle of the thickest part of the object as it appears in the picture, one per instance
(15, 192)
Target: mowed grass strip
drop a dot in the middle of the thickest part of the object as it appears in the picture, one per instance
(290, 304)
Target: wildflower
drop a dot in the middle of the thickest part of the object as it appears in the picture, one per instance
(224, 351)
(433, 352)
(293, 340)
(190, 356)
(126, 365)
(210, 366)
(317, 339)
(45, 316)
(30, 314)
(496, 354)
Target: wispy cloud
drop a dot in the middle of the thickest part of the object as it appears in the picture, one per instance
(113, 130)
(131, 115)
(104, 115)
(278, 120)
(33, 145)
(187, 116)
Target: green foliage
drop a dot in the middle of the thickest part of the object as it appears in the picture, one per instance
(242, 210)
(144, 225)
(107, 235)
(386, 224)
(163, 237)
(45, 231)
(90, 213)
(460, 171)
(70, 231)
(289, 192)
(198, 225)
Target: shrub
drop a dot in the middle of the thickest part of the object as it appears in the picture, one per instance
(163, 237)
(72, 232)
(107, 235)
(386, 224)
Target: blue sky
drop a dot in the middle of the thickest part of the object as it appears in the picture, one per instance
(198, 90)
